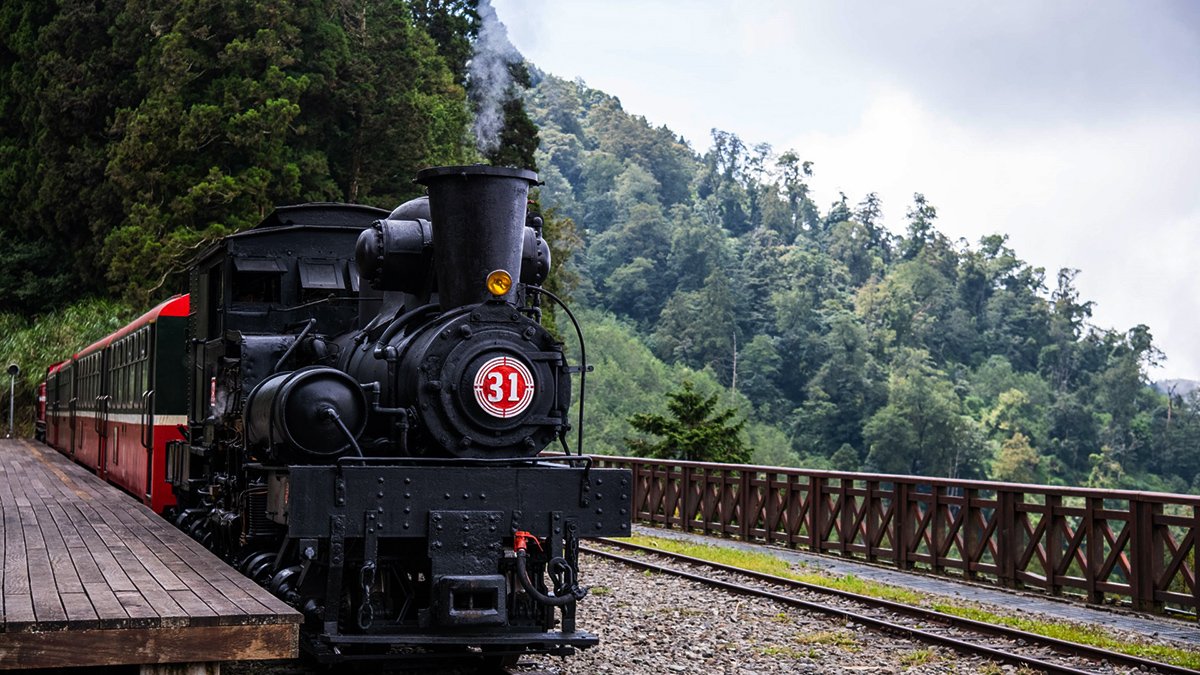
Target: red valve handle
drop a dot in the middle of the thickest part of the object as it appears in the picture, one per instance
(521, 539)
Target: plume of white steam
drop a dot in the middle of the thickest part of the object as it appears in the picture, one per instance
(488, 80)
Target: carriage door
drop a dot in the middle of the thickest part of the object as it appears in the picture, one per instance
(103, 402)
(72, 394)
(143, 354)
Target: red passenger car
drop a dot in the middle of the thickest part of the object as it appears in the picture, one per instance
(114, 406)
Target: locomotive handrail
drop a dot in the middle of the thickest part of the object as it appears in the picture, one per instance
(583, 370)
(308, 326)
(470, 461)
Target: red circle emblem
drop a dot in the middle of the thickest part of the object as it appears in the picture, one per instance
(504, 387)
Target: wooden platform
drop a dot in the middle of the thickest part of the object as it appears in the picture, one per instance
(92, 577)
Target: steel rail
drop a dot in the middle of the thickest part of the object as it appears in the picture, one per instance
(1071, 648)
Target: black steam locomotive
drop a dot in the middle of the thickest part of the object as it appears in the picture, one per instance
(373, 454)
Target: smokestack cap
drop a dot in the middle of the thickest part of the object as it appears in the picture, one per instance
(425, 175)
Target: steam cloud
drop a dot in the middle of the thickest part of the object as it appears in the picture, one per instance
(489, 81)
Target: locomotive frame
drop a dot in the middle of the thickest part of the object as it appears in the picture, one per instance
(368, 450)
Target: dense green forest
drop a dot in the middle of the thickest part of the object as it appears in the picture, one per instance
(132, 134)
(846, 345)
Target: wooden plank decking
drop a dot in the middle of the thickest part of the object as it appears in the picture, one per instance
(89, 576)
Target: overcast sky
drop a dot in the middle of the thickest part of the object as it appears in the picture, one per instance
(1073, 126)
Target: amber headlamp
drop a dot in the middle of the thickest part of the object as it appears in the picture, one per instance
(499, 283)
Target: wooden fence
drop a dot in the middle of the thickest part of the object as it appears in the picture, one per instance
(1102, 544)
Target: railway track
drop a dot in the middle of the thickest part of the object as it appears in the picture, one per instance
(999, 643)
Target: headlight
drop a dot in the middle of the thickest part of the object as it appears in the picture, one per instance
(499, 283)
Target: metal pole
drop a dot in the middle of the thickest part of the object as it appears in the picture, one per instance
(13, 371)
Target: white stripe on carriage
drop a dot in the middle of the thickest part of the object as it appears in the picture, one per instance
(131, 418)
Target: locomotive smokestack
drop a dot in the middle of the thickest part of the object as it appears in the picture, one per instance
(478, 215)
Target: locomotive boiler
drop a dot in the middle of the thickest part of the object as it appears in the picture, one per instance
(368, 397)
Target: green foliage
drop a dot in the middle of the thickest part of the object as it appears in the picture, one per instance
(770, 446)
(563, 240)
(35, 344)
(1017, 461)
(627, 379)
(921, 430)
(861, 348)
(452, 24)
(695, 430)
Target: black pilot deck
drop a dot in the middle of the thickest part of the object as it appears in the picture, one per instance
(91, 577)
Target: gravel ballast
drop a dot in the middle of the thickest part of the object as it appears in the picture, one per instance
(657, 624)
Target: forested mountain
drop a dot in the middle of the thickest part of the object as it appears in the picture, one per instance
(866, 350)
(134, 133)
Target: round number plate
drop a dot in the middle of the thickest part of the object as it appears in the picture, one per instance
(504, 387)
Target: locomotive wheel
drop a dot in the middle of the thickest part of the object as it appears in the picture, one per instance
(254, 561)
(196, 529)
(243, 563)
(261, 571)
(281, 582)
(181, 520)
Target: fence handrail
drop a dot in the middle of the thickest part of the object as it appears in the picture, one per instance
(1034, 488)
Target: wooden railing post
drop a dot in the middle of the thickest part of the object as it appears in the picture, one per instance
(688, 515)
(1093, 530)
(744, 516)
(902, 526)
(1054, 544)
(1195, 558)
(639, 495)
(972, 534)
(872, 518)
(816, 512)
(771, 513)
(795, 504)
(937, 528)
(708, 508)
(846, 517)
(1006, 538)
(1147, 560)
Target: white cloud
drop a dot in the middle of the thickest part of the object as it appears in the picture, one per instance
(1104, 198)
